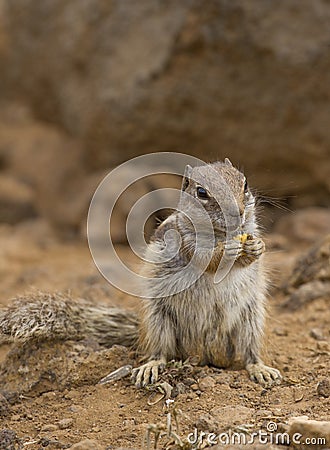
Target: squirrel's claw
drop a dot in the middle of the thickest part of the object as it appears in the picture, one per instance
(147, 373)
(254, 247)
(245, 252)
(233, 249)
(264, 375)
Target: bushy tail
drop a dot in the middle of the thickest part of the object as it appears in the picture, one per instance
(42, 316)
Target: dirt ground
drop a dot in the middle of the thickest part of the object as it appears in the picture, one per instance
(54, 400)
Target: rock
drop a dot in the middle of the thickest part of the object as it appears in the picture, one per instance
(4, 406)
(129, 78)
(87, 444)
(189, 381)
(307, 293)
(280, 331)
(323, 388)
(178, 389)
(317, 334)
(16, 200)
(206, 422)
(314, 433)
(76, 409)
(310, 278)
(15, 417)
(9, 440)
(63, 424)
(47, 166)
(206, 383)
(49, 427)
(323, 347)
(264, 414)
(294, 419)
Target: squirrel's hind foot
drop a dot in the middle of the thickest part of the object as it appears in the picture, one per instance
(147, 373)
(264, 375)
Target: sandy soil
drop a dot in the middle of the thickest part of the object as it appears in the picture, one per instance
(53, 397)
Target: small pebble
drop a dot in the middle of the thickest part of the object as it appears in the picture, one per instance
(206, 422)
(9, 439)
(310, 429)
(50, 427)
(16, 417)
(65, 423)
(206, 383)
(323, 388)
(75, 408)
(323, 347)
(235, 385)
(179, 388)
(189, 381)
(317, 334)
(49, 395)
(280, 331)
(87, 444)
(297, 418)
(264, 413)
(4, 406)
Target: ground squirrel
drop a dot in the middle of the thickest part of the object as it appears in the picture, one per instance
(203, 291)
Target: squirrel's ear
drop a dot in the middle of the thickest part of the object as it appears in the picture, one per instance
(228, 162)
(186, 177)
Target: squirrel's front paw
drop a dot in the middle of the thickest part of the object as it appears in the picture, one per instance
(264, 375)
(233, 248)
(253, 248)
(147, 373)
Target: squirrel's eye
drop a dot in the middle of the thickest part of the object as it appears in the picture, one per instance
(202, 193)
(246, 187)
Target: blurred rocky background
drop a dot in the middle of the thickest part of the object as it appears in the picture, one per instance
(86, 85)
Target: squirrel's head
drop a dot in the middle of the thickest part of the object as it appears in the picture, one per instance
(223, 192)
